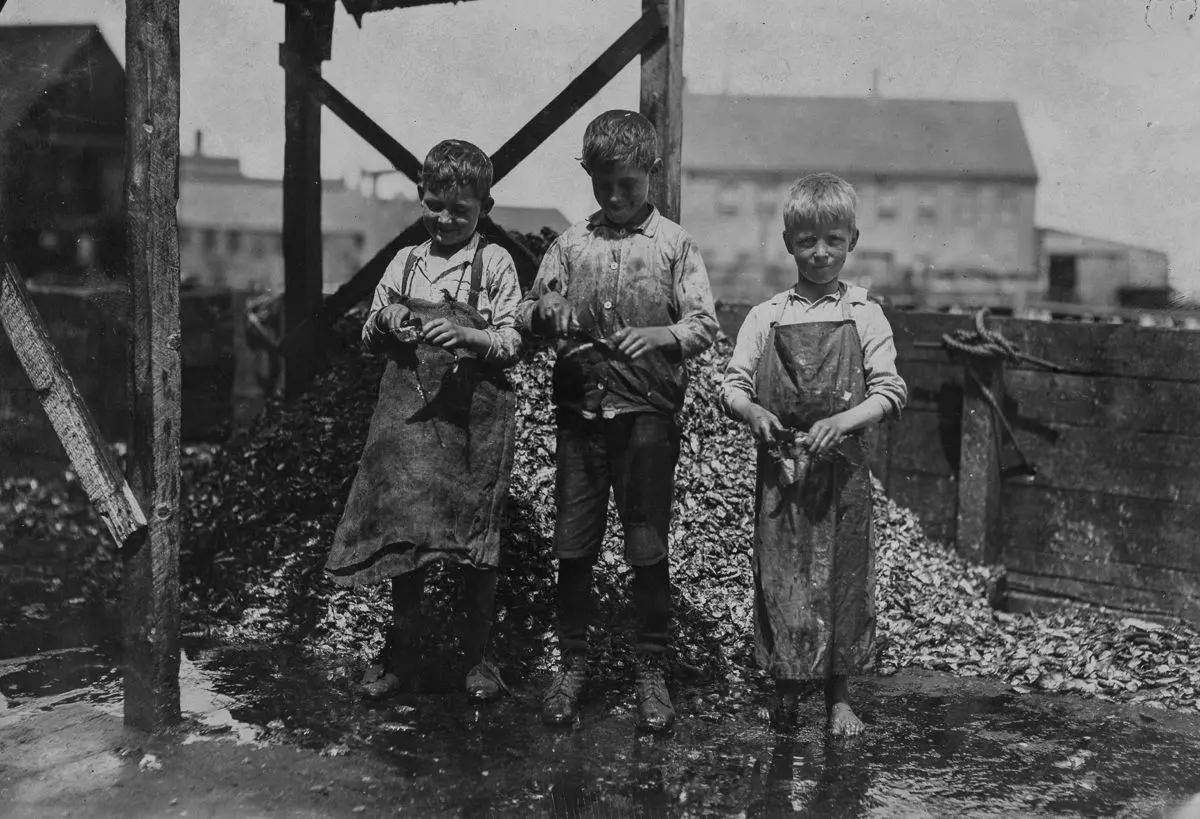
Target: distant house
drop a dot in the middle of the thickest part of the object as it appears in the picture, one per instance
(230, 226)
(1099, 272)
(62, 156)
(946, 192)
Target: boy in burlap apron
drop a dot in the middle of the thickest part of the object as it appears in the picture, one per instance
(812, 368)
(433, 477)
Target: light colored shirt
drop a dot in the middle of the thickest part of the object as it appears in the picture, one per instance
(646, 275)
(884, 386)
(500, 292)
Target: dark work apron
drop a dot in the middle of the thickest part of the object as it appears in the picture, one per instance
(433, 476)
(814, 561)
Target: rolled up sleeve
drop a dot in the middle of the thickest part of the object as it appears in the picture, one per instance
(386, 292)
(697, 327)
(738, 380)
(504, 293)
(552, 275)
(883, 382)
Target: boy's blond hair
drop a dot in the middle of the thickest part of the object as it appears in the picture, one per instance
(820, 198)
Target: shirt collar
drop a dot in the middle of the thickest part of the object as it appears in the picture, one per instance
(464, 255)
(647, 227)
(853, 293)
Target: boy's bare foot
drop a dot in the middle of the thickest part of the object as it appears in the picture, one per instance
(843, 722)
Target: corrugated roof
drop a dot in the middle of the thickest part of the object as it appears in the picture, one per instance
(33, 59)
(855, 136)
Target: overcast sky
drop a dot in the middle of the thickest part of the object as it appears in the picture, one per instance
(1108, 90)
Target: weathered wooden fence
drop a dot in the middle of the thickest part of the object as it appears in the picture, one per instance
(90, 328)
(1112, 513)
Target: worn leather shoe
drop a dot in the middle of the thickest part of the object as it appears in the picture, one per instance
(560, 703)
(484, 682)
(655, 712)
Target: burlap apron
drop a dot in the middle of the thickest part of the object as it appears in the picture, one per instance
(433, 477)
(814, 560)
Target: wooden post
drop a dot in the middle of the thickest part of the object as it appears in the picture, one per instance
(662, 102)
(98, 471)
(150, 576)
(979, 465)
(308, 29)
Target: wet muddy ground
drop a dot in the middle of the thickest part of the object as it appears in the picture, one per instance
(271, 731)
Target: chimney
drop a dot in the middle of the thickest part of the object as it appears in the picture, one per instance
(199, 142)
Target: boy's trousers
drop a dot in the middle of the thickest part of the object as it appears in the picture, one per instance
(634, 455)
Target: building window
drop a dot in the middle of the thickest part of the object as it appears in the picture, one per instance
(888, 202)
(234, 241)
(1064, 279)
(927, 211)
(727, 199)
(209, 238)
(968, 204)
(1009, 206)
(258, 245)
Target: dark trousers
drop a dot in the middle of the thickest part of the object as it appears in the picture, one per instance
(479, 602)
(633, 456)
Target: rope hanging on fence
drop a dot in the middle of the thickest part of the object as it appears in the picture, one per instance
(982, 343)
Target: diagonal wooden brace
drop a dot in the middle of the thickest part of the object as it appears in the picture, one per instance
(355, 118)
(98, 472)
(637, 38)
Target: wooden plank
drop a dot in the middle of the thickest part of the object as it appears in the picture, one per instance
(1171, 582)
(925, 443)
(933, 386)
(1122, 350)
(401, 158)
(577, 93)
(1165, 584)
(1101, 527)
(1127, 464)
(74, 424)
(150, 572)
(933, 498)
(662, 101)
(1131, 404)
(302, 240)
(979, 467)
(1105, 594)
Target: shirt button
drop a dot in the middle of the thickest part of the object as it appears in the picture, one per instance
(612, 265)
(608, 305)
(600, 387)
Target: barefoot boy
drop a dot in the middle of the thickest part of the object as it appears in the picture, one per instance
(627, 294)
(434, 472)
(812, 367)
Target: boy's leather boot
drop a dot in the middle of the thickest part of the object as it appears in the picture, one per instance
(655, 712)
(560, 703)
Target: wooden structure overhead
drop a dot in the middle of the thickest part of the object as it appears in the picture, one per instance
(656, 36)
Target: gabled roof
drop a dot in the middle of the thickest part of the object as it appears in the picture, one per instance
(855, 136)
(34, 59)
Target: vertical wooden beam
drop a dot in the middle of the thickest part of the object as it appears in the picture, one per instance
(308, 28)
(979, 466)
(150, 575)
(662, 102)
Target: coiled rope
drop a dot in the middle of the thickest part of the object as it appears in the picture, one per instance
(984, 344)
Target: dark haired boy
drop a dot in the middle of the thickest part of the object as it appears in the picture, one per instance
(632, 280)
(434, 473)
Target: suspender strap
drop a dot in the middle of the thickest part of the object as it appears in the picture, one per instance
(476, 275)
(847, 314)
(409, 264)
